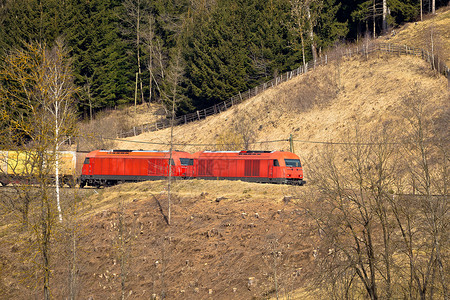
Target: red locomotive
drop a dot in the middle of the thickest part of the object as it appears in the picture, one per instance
(109, 167)
(254, 166)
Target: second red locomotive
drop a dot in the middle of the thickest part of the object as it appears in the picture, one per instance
(253, 166)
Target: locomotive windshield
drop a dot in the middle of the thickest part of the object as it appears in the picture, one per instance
(293, 163)
(186, 161)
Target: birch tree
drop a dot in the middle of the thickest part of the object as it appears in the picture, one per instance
(56, 96)
(299, 13)
(37, 84)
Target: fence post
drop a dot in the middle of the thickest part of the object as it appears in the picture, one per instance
(448, 79)
(198, 115)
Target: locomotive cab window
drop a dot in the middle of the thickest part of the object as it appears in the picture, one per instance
(86, 161)
(186, 161)
(276, 163)
(293, 163)
(172, 163)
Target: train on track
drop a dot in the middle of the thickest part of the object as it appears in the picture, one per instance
(101, 168)
(105, 168)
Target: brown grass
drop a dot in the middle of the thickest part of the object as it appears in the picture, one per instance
(110, 124)
(417, 34)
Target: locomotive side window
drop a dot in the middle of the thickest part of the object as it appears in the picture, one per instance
(186, 161)
(293, 163)
(172, 163)
(86, 161)
(276, 163)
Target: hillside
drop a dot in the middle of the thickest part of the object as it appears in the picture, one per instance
(227, 240)
(320, 106)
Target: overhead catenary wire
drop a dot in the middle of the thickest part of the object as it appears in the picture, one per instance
(257, 143)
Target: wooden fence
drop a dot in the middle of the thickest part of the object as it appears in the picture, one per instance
(365, 49)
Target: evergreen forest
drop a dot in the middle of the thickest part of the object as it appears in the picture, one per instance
(130, 51)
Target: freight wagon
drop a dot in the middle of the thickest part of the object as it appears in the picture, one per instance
(21, 166)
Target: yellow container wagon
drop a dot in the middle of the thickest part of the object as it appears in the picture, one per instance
(21, 167)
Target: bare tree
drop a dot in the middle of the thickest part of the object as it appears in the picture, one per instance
(299, 12)
(148, 37)
(382, 208)
(305, 15)
(56, 96)
(229, 140)
(157, 59)
(427, 164)
(134, 13)
(174, 76)
(39, 90)
(245, 126)
(313, 11)
(355, 181)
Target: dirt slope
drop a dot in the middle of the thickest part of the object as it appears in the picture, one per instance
(210, 251)
(227, 240)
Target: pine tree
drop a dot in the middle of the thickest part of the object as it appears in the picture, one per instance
(329, 29)
(216, 59)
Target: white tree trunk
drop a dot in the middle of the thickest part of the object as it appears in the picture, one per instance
(421, 10)
(384, 16)
(138, 42)
(373, 17)
(311, 36)
(57, 163)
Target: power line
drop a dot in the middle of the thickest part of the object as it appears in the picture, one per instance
(187, 144)
(260, 142)
(350, 143)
